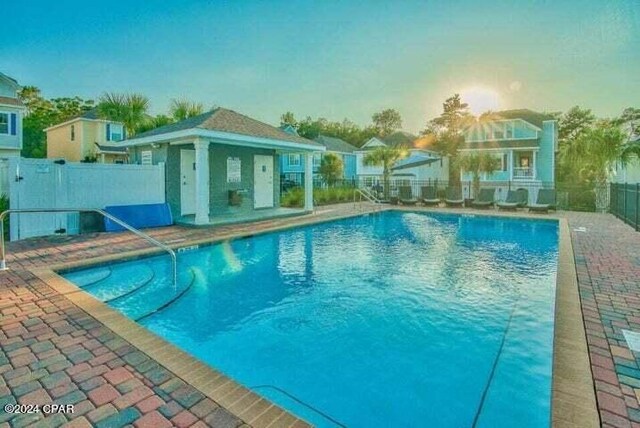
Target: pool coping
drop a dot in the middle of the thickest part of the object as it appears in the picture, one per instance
(573, 401)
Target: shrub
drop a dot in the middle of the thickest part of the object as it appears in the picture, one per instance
(4, 205)
(321, 196)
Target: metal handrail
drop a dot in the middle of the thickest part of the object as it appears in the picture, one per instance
(3, 263)
(368, 196)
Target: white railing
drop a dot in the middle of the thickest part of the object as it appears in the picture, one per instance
(3, 260)
(523, 173)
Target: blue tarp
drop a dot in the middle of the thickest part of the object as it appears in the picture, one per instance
(138, 216)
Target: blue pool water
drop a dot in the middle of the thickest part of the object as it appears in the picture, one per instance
(396, 319)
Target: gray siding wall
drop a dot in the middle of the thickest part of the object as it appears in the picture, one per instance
(218, 186)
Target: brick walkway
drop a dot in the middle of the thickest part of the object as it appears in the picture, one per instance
(51, 350)
(607, 259)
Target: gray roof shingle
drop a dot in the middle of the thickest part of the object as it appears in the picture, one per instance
(334, 144)
(224, 120)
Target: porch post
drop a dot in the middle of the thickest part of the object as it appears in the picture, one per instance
(308, 181)
(511, 165)
(202, 181)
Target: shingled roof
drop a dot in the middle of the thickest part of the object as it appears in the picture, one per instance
(533, 117)
(334, 144)
(224, 120)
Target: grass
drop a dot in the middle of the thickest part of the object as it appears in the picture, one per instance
(294, 198)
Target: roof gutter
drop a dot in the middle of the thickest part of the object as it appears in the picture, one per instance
(222, 137)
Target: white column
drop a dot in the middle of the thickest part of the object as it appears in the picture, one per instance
(202, 181)
(308, 181)
(511, 165)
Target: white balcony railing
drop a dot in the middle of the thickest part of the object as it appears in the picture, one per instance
(520, 173)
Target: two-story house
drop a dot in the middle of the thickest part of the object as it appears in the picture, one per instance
(418, 166)
(524, 141)
(11, 113)
(292, 167)
(87, 138)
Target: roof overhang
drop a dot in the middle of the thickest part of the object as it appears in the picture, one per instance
(516, 143)
(183, 137)
(415, 164)
(111, 150)
(78, 119)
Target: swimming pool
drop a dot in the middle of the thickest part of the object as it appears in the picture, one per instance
(394, 319)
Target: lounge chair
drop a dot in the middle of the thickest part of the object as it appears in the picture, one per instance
(546, 201)
(453, 197)
(406, 196)
(523, 195)
(430, 195)
(485, 199)
(512, 202)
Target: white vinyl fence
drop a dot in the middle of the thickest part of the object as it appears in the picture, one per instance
(43, 183)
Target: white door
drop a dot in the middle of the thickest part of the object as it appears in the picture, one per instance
(187, 182)
(262, 181)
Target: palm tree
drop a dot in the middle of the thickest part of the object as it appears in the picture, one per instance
(184, 109)
(330, 168)
(130, 109)
(593, 156)
(386, 157)
(476, 164)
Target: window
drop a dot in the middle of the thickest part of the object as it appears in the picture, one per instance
(498, 135)
(294, 160)
(73, 132)
(317, 159)
(509, 130)
(4, 123)
(116, 132)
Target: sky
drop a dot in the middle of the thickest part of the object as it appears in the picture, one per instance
(330, 58)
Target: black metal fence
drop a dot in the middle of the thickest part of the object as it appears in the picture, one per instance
(625, 203)
(570, 196)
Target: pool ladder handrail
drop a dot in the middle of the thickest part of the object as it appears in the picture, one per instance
(367, 195)
(3, 262)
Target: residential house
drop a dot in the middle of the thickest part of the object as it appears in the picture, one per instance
(222, 166)
(419, 166)
(292, 167)
(524, 141)
(11, 114)
(87, 137)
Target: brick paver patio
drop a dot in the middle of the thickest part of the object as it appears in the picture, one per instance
(607, 255)
(53, 351)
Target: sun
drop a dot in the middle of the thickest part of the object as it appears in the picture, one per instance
(480, 99)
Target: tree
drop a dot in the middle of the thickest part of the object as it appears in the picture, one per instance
(387, 121)
(155, 122)
(447, 131)
(331, 168)
(594, 155)
(385, 157)
(288, 119)
(130, 109)
(630, 120)
(476, 164)
(184, 109)
(574, 123)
